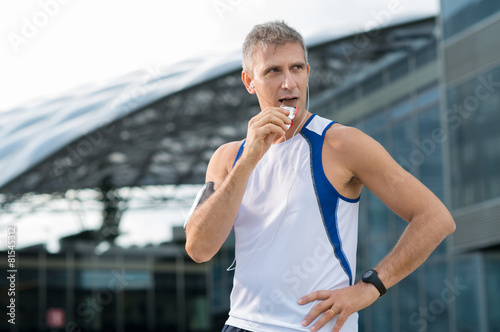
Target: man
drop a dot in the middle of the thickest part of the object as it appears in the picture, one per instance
(292, 193)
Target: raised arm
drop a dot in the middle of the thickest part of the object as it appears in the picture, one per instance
(211, 222)
(369, 164)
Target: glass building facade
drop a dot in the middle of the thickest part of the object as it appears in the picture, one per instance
(399, 105)
(470, 54)
(436, 111)
(473, 121)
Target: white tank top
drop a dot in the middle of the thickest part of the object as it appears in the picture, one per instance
(287, 250)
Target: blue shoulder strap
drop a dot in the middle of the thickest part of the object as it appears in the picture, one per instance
(240, 151)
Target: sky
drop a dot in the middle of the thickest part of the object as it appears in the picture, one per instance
(48, 47)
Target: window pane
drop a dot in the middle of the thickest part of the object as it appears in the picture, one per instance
(492, 265)
(95, 301)
(408, 302)
(399, 70)
(464, 288)
(27, 297)
(382, 314)
(428, 97)
(473, 122)
(378, 216)
(401, 108)
(197, 315)
(347, 97)
(378, 249)
(426, 56)
(166, 306)
(437, 300)
(135, 298)
(375, 122)
(372, 84)
(430, 145)
(402, 137)
(459, 15)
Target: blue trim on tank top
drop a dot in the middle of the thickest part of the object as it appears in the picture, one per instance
(327, 196)
(240, 151)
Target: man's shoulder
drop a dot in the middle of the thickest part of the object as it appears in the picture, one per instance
(339, 136)
(336, 135)
(222, 161)
(353, 146)
(227, 152)
(230, 148)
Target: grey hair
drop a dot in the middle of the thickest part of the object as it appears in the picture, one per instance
(276, 33)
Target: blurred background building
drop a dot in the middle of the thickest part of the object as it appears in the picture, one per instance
(427, 88)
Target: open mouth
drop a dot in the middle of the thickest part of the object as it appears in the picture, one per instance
(291, 102)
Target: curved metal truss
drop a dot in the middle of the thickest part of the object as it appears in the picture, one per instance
(170, 141)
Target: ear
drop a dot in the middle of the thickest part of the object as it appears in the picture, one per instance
(308, 70)
(245, 77)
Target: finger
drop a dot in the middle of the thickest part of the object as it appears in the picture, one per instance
(284, 111)
(267, 129)
(261, 121)
(278, 112)
(279, 109)
(327, 316)
(323, 306)
(314, 296)
(274, 120)
(282, 114)
(341, 319)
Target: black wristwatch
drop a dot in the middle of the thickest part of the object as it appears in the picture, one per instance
(371, 277)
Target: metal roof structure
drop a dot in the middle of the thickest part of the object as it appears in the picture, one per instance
(160, 126)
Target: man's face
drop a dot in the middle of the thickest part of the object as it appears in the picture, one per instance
(280, 75)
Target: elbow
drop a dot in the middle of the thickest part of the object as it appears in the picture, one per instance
(196, 254)
(448, 224)
(200, 247)
(198, 257)
(451, 226)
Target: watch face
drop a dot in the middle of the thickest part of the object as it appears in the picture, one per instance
(368, 274)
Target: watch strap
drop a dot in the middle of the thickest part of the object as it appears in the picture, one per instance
(371, 277)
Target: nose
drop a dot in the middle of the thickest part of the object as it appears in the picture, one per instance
(288, 82)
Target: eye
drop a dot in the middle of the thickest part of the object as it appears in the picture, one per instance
(273, 70)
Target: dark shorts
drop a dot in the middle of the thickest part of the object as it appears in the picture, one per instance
(229, 328)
